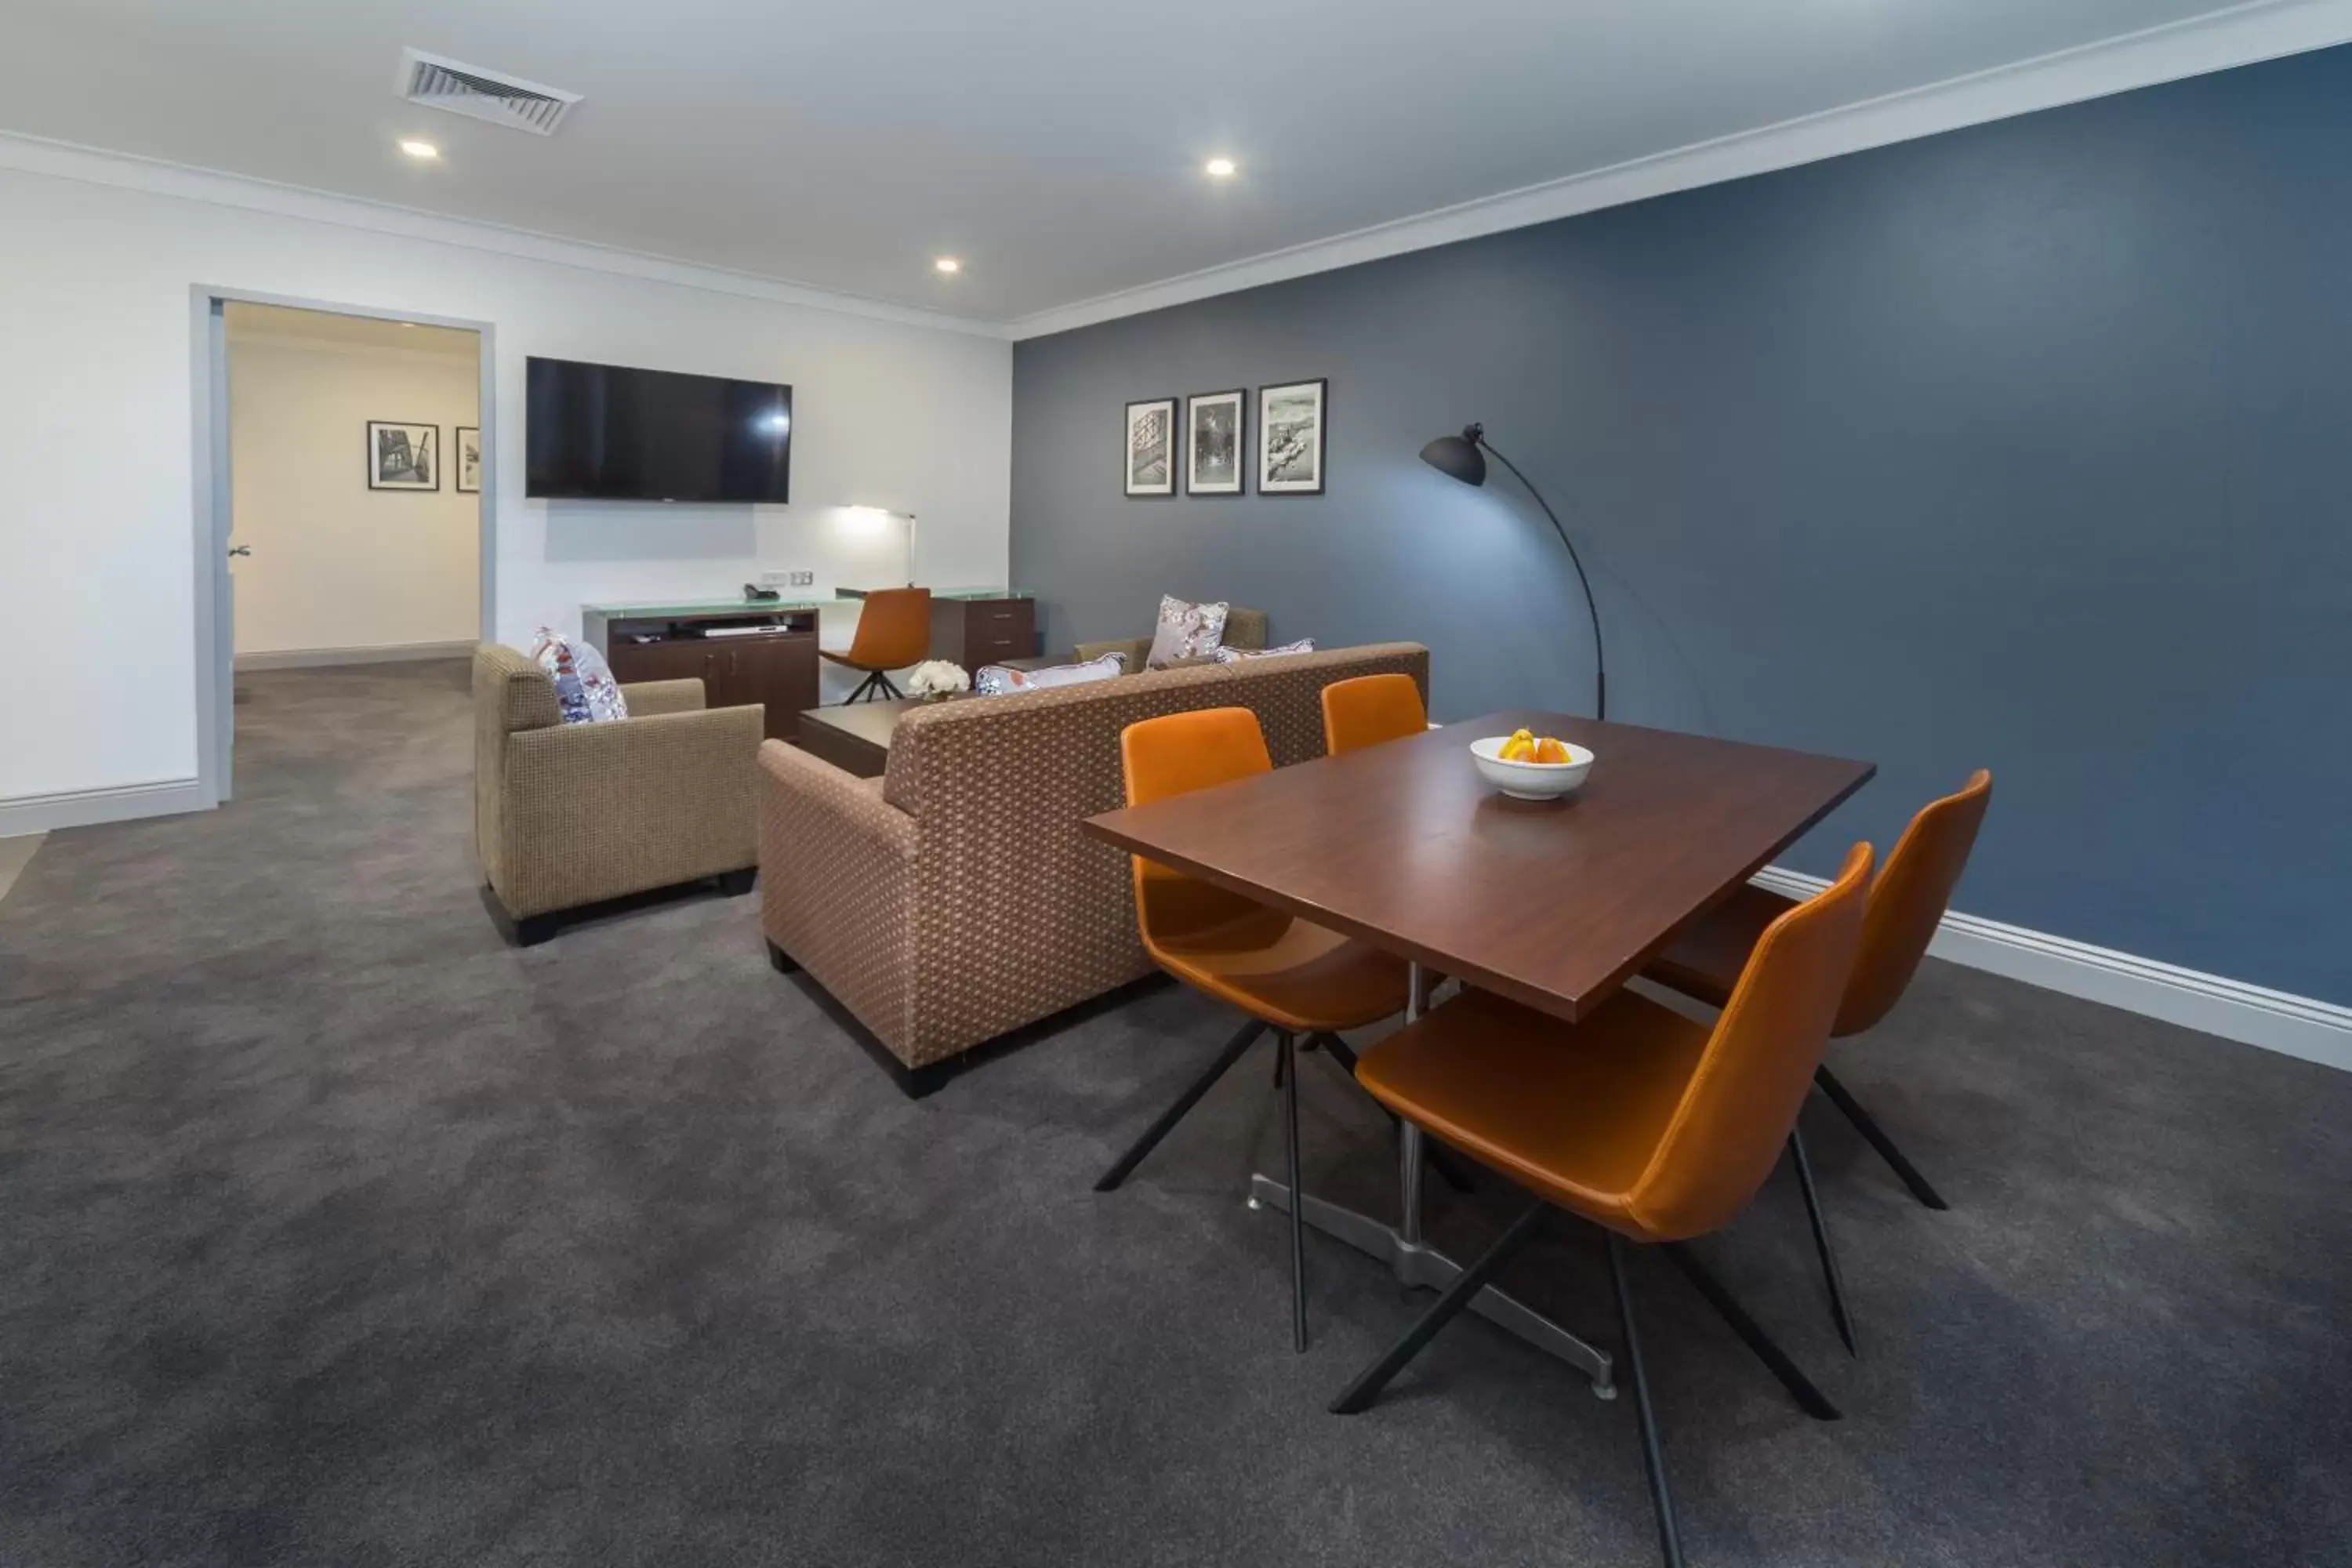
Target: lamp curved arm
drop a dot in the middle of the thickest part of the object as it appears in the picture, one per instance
(1591, 610)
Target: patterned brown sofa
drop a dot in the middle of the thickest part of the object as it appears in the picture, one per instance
(954, 899)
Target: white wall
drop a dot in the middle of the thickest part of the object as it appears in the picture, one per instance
(336, 565)
(96, 422)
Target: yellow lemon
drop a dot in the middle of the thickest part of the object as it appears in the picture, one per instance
(1518, 748)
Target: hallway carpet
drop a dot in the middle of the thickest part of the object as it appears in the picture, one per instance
(335, 1232)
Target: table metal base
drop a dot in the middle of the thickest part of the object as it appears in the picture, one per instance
(1417, 1263)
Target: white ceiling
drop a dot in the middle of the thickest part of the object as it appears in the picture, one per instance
(1054, 145)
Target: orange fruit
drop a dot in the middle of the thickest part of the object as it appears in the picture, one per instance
(1550, 751)
(1518, 748)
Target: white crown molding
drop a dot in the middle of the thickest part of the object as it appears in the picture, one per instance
(2253, 1015)
(90, 165)
(2243, 35)
(83, 807)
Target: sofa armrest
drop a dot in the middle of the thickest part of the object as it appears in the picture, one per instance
(647, 698)
(1136, 649)
(838, 885)
(596, 810)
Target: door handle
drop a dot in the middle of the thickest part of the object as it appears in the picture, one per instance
(240, 550)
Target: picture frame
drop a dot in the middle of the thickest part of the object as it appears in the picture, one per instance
(1216, 442)
(467, 459)
(1148, 457)
(1291, 437)
(403, 455)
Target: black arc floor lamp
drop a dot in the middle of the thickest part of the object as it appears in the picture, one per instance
(1463, 457)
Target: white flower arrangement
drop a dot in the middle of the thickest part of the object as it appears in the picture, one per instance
(938, 677)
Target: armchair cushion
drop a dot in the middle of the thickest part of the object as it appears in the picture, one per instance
(584, 687)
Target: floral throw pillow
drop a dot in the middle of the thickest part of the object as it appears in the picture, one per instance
(1002, 681)
(584, 687)
(1239, 654)
(1186, 631)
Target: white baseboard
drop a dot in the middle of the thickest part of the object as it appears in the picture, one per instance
(322, 657)
(83, 807)
(2292, 1025)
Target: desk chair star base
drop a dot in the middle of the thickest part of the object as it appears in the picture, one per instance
(1652, 1127)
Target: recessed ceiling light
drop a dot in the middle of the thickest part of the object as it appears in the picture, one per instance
(948, 264)
(420, 149)
(1219, 168)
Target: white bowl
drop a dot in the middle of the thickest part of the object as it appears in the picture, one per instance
(1531, 781)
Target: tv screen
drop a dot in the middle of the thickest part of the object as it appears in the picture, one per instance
(602, 432)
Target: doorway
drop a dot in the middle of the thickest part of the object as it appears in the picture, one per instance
(343, 489)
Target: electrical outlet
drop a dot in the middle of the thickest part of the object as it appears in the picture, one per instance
(775, 579)
(804, 579)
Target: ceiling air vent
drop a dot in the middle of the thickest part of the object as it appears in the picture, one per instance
(507, 101)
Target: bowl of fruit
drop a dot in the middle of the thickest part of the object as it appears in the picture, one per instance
(1531, 767)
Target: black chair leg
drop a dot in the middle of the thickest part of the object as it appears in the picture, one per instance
(1801, 1388)
(1286, 1050)
(1829, 1271)
(1879, 1141)
(1360, 1394)
(1184, 1103)
(1654, 1458)
(889, 692)
(1439, 1157)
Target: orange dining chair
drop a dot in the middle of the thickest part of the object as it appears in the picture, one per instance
(1370, 708)
(894, 630)
(1290, 977)
(1906, 902)
(1653, 1127)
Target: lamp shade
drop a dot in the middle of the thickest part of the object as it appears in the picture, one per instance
(1457, 456)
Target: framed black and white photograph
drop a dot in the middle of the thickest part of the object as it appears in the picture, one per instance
(1290, 439)
(403, 456)
(1214, 427)
(1151, 447)
(470, 459)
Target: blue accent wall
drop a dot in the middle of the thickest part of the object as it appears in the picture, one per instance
(2028, 447)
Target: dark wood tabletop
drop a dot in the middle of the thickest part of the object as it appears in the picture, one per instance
(1553, 904)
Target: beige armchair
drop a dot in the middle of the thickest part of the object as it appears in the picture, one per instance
(571, 815)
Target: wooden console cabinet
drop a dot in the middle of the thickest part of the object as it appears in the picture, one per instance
(974, 632)
(765, 653)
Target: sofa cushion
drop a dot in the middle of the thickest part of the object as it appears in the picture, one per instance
(1004, 681)
(1236, 654)
(584, 687)
(1186, 631)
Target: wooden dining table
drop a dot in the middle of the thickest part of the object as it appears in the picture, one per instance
(1553, 904)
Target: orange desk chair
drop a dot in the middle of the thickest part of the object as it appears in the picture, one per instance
(1292, 977)
(1370, 708)
(1906, 902)
(1653, 1127)
(894, 630)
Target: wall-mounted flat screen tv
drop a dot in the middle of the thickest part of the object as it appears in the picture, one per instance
(601, 432)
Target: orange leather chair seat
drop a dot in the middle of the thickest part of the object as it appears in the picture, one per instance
(1292, 973)
(1575, 1112)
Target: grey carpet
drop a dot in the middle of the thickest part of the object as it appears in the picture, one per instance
(335, 1232)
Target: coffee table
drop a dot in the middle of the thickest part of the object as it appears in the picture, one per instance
(856, 736)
